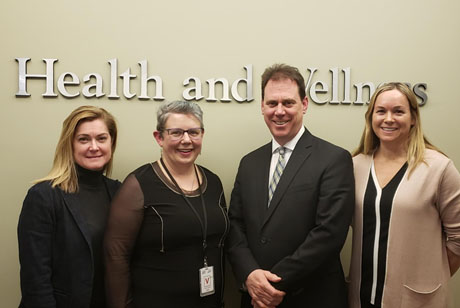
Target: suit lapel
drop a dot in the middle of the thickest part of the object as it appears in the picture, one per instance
(72, 203)
(262, 176)
(300, 154)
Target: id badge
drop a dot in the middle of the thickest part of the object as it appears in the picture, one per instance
(207, 281)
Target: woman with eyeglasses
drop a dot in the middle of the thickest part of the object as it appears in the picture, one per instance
(167, 225)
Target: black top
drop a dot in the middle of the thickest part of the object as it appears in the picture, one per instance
(377, 206)
(94, 202)
(154, 241)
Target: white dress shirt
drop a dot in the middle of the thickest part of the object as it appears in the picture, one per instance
(290, 145)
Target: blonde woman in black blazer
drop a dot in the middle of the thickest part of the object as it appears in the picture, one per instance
(63, 217)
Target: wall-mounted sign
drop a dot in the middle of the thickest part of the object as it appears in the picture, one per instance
(93, 85)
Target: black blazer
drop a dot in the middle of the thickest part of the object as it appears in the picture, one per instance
(54, 249)
(300, 236)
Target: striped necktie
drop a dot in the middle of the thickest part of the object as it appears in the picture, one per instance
(277, 173)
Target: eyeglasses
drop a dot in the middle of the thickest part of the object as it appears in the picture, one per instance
(178, 133)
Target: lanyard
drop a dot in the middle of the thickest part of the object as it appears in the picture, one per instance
(203, 224)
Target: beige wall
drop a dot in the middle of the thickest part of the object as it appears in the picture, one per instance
(413, 41)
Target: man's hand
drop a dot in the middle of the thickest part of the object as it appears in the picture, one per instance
(263, 294)
(254, 305)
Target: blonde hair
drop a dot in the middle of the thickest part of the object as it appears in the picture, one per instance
(63, 173)
(417, 141)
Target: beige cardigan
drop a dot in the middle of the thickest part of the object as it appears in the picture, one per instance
(425, 219)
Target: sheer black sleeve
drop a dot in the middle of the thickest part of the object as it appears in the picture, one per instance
(125, 219)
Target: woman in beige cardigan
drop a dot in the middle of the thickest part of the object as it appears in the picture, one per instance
(406, 229)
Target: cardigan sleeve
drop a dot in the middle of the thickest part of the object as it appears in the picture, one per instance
(35, 240)
(124, 222)
(449, 206)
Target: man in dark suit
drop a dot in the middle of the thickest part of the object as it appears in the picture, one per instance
(290, 207)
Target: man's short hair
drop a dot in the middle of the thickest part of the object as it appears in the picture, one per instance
(283, 71)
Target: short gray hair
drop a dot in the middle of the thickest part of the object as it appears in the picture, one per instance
(183, 107)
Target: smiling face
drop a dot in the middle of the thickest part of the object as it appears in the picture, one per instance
(179, 153)
(92, 145)
(391, 118)
(283, 109)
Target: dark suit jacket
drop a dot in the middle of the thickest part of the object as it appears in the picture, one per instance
(54, 249)
(300, 236)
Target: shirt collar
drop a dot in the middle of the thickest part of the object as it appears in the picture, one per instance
(290, 145)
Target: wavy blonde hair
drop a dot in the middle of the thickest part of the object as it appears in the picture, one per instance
(417, 141)
(63, 173)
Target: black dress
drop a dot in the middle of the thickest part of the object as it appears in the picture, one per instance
(154, 242)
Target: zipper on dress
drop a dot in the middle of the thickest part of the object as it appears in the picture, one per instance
(224, 213)
(221, 245)
(162, 229)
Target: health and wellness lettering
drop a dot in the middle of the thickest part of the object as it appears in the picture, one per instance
(337, 91)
